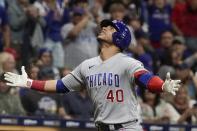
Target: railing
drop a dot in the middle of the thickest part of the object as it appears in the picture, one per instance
(168, 127)
(80, 125)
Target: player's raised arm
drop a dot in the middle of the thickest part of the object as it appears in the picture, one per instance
(23, 81)
(155, 84)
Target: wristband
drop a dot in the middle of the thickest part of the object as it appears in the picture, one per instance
(36, 85)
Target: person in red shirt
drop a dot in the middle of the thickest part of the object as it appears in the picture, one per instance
(184, 16)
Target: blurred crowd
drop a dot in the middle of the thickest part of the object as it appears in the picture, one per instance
(51, 37)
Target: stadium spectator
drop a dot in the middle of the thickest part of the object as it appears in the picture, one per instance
(176, 54)
(184, 109)
(175, 57)
(157, 16)
(13, 52)
(97, 10)
(41, 6)
(154, 109)
(10, 103)
(80, 37)
(117, 11)
(4, 30)
(150, 53)
(33, 38)
(167, 38)
(144, 57)
(78, 105)
(33, 71)
(184, 73)
(132, 6)
(143, 38)
(7, 63)
(135, 24)
(56, 17)
(18, 18)
(46, 60)
(179, 46)
(141, 35)
(184, 16)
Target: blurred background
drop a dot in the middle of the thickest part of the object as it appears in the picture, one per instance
(51, 37)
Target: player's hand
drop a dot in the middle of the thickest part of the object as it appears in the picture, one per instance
(170, 85)
(17, 80)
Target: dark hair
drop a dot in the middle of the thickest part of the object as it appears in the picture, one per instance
(165, 31)
(142, 94)
(43, 50)
(30, 66)
(46, 72)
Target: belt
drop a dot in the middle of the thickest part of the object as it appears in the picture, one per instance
(111, 127)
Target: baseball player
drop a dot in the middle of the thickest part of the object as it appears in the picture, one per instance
(109, 79)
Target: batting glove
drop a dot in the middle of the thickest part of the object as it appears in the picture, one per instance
(170, 85)
(18, 80)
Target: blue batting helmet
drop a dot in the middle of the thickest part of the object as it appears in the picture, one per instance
(122, 37)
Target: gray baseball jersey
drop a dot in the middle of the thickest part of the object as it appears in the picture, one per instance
(110, 84)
